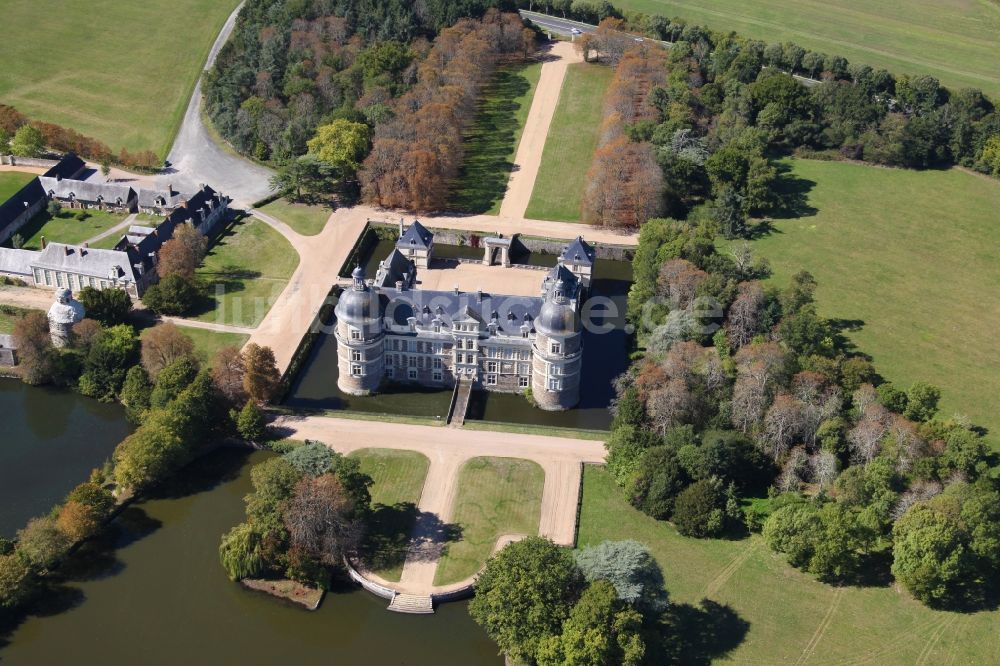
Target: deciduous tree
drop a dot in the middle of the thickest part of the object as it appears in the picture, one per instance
(162, 345)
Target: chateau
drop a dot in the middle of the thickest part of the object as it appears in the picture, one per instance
(390, 330)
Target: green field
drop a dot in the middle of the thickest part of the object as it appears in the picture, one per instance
(207, 343)
(120, 72)
(490, 144)
(65, 228)
(496, 496)
(783, 616)
(305, 219)
(398, 478)
(12, 181)
(913, 257)
(570, 145)
(956, 41)
(246, 269)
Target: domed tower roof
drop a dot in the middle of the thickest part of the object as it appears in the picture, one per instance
(66, 310)
(358, 304)
(557, 319)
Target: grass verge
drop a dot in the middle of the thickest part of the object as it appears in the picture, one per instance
(550, 431)
(305, 219)
(570, 145)
(207, 343)
(12, 181)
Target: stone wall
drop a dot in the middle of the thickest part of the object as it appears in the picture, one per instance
(14, 160)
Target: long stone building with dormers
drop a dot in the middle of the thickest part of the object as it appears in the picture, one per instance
(388, 330)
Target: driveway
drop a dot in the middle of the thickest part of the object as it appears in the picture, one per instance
(195, 158)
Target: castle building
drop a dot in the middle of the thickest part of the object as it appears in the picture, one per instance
(389, 330)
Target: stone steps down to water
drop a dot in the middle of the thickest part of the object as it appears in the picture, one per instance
(463, 393)
(412, 603)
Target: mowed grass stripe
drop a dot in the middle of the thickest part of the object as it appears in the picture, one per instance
(953, 40)
(121, 72)
(570, 145)
(913, 258)
(784, 610)
(496, 496)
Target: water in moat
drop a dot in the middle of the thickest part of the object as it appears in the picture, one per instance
(154, 593)
(605, 356)
(49, 442)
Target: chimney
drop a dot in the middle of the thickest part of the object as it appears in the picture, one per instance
(86, 244)
(400, 226)
(479, 295)
(68, 250)
(44, 242)
(58, 177)
(456, 290)
(399, 285)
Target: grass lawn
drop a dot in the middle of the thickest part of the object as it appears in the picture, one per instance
(9, 314)
(956, 41)
(496, 496)
(207, 343)
(912, 258)
(246, 269)
(491, 142)
(12, 181)
(127, 86)
(398, 481)
(762, 611)
(570, 145)
(65, 228)
(306, 219)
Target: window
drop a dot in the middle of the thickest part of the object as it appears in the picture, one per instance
(554, 370)
(437, 376)
(491, 366)
(356, 370)
(522, 382)
(357, 355)
(412, 361)
(491, 380)
(555, 384)
(355, 334)
(411, 345)
(388, 359)
(437, 364)
(523, 369)
(524, 333)
(412, 374)
(437, 327)
(390, 372)
(555, 348)
(59, 279)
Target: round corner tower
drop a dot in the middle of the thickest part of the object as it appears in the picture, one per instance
(359, 338)
(64, 314)
(558, 347)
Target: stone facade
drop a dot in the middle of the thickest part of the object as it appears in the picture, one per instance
(434, 338)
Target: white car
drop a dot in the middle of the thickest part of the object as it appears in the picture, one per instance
(576, 31)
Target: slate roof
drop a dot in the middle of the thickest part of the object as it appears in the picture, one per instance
(85, 261)
(149, 198)
(392, 268)
(579, 252)
(69, 166)
(17, 262)
(416, 236)
(425, 306)
(11, 209)
(559, 273)
(84, 190)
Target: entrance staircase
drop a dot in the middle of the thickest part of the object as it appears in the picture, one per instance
(463, 391)
(412, 603)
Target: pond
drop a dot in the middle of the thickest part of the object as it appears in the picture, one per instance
(605, 356)
(50, 440)
(156, 594)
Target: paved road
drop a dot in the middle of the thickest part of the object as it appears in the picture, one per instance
(536, 129)
(195, 158)
(117, 229)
